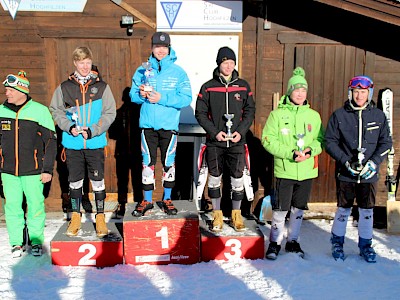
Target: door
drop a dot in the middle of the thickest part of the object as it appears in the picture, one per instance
(116, 60)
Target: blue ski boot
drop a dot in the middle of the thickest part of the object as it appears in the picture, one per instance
(337, 247)
(366, 250)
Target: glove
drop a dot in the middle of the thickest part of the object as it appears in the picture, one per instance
(352, 168)
(369, 170)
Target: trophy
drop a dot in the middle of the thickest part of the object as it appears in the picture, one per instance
(147, 66)
(75, 118)
(229, 124)
(300, 141)
(360, 158)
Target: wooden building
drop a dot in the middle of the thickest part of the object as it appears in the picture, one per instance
(333, 40)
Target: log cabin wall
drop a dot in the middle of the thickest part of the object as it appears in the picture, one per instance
(330, 43)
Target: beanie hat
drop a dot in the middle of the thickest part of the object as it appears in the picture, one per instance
(18, 82)
(161, 38)
(297, 81)
(225, 53)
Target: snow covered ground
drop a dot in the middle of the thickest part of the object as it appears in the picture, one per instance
(317, 276)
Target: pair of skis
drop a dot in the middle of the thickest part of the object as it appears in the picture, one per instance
(387, 107)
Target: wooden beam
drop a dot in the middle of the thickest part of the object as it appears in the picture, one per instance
(135, 12)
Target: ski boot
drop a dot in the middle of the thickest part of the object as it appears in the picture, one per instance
(337, 247)
(366, 250)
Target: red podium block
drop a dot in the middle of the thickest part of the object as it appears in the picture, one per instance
(87, 249)
(229, 244)
(160, 239)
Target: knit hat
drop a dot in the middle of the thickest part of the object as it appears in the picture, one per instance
(225, 53)
(297, 81)
(161, 38)
(18, 82)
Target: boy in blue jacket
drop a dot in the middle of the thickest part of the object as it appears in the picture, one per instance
(163, 89)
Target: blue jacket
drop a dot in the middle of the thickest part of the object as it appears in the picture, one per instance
(343, 137)
(97, 111)
(172, 82)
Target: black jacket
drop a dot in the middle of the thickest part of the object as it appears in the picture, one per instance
(213, 99)
(28, 142)
(342, 138)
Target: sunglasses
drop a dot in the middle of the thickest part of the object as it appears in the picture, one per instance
(13, 81)
(361, 82)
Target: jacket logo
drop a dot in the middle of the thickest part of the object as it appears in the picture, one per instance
(237, 97)
(309, 127)
(6, 125)
(94, 90)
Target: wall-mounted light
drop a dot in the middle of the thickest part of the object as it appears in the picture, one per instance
(127, 22)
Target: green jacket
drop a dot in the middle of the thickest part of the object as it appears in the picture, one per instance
(279, 138)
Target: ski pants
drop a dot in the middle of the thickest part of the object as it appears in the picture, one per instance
(167, 141)
(292, 193)
(77, 160)
(235, 159)
(363, 193)
(14, 188)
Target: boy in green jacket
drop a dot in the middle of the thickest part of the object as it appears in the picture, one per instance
(293, 134)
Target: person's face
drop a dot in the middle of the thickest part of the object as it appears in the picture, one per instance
(160, 51)
(226, 67)
(360, 96)
(14, 96)
(83, 66)
(298, 96)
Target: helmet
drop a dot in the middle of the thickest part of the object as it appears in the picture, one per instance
(361, 82)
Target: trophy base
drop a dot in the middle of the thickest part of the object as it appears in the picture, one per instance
(79, 130)
(148, 89)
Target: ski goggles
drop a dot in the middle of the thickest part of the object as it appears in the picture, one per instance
(361, 82)
(13, 81)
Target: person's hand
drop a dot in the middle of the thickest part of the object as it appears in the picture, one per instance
(86, 133)
(369, 170)
(236, 137)
(45, 177)
(142, 92)
(74, 131)
(302, 156)
(221, 136)
(154, 97)
(352, 168)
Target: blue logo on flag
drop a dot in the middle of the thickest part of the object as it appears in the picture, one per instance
(171, 10)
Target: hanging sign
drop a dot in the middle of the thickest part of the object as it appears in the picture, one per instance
(199, 16)
(13, 6)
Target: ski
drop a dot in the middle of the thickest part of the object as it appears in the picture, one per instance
(387, 107)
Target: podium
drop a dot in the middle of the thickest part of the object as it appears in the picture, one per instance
(229, 244)
(86, 249)
(158, 238)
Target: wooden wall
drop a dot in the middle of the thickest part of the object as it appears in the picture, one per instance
(331, 44)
